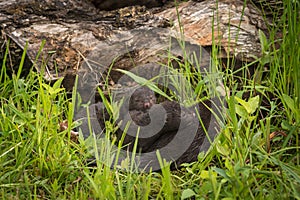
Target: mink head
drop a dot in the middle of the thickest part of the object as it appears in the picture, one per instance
(142, 99)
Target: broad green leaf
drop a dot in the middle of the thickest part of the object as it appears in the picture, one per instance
(204, 174)
(221, 172)
(289, 102)
(207, 174)
(143, 81)
(57, 84)
(263, 41)
(52, 90)
(241, 111)
(228, 165)
(251, 105)
(187, 193)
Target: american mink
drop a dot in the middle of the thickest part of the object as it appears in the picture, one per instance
(163, 123)
(176, 118)
(155, 121)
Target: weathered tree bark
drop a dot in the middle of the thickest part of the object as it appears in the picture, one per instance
(231, 24)
(72, 29)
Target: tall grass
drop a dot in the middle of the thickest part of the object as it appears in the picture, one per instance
(253, 158)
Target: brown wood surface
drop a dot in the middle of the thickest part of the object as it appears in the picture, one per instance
(72, 29)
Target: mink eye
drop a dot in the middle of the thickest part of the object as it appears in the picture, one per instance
(137, 100)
